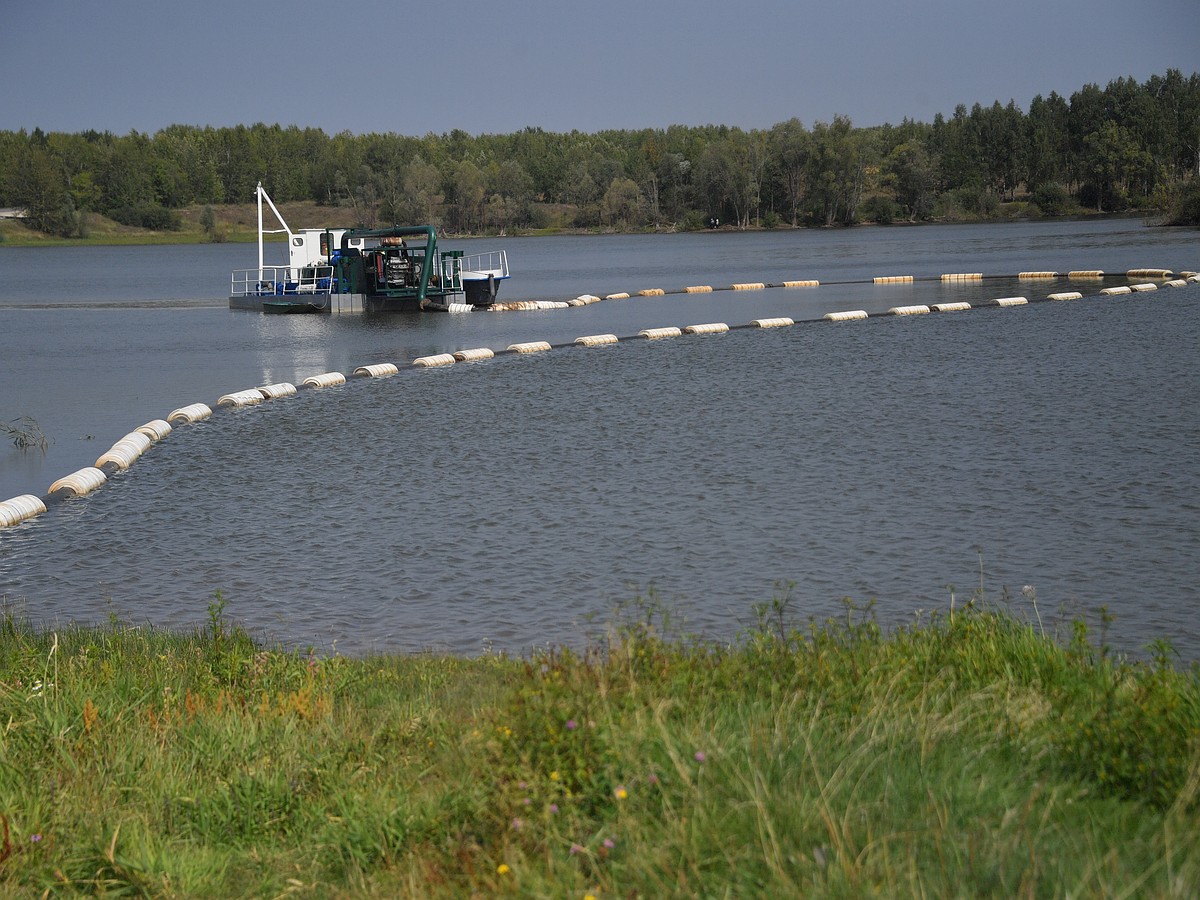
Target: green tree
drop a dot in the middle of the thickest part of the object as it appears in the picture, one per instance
(836, 171)
(790, 148)
(1112, 161)
(913, 179)
(1047, 141)
(468, 190)
(36, 183)
(623, 202)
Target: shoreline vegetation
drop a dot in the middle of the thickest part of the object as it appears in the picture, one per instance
(1130, 147)
(972, 753)
(237, 223)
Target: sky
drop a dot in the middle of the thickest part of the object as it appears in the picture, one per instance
(498, 67)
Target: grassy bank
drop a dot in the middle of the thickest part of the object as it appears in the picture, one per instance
(968, 756)
(238, 223)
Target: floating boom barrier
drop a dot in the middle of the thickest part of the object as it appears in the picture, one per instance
(121, 456)
(947, 278)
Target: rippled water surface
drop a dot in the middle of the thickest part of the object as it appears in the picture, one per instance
(514, 502)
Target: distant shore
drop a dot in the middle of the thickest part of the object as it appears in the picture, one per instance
(238, 224)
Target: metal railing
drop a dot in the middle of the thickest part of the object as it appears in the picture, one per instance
(491, 262)
(281, 281)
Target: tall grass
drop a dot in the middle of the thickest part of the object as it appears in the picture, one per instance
(968, 754)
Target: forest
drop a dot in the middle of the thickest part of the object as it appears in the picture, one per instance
(1129, 146)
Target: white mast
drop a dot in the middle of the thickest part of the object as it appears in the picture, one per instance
(261, 194)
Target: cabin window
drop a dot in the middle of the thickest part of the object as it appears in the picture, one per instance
(297, 242)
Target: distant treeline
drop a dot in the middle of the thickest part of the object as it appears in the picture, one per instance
(1126, 146)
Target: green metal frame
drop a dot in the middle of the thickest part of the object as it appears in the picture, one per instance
(430, 263)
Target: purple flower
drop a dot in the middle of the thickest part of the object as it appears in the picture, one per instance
(553, 807)
(576, 848)
(609, 843)
(516, 824)
(700, 757)
(572, 724)
(652, 778)
(35, 838)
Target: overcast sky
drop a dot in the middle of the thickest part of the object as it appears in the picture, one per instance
(497, 67)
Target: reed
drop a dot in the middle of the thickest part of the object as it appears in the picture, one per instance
(25, 432)
(970, 753)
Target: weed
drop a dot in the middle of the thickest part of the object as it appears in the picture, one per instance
(26, 433)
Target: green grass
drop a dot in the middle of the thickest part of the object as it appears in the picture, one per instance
(970, 755)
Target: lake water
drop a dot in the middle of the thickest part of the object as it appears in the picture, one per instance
(515, 502)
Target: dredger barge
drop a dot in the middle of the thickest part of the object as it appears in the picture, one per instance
(397, 269)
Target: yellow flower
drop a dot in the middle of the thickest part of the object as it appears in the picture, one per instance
(554, 776)
(620, 793)
(503, 869)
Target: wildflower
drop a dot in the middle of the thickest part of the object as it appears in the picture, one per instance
(572, 724)
(554, 776)
(652, 778)
(609, 843)
(526, 802)
(35, 838)
(516, 824)
(553, 808)
(503, 869)
(576, 849)
(700, 756)
(620, 793)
